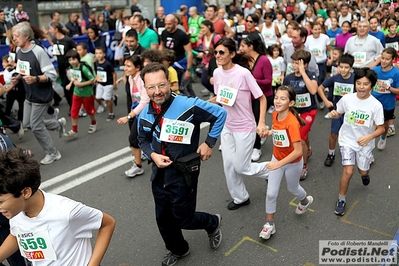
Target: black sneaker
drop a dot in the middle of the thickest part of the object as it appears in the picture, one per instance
(329, 160)
(340, 208)
(232, 206)
(171, 259)
(216, 237)
(366, 180)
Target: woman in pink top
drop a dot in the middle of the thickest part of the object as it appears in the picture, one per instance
(262, 71)
(137, 99)
(341, 39)
(235, 88)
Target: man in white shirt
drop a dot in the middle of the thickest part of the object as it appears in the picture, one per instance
(250, 9)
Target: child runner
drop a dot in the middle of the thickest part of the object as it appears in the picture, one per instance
(287, 157)
(88, 58)
(81, 83)
(62, 228)
(168, 58)
(333, 31)
(106, 82)
(363, 121)
(340, 84)
(386, 89)
(137, 99)
(276, 59)
(305, 84)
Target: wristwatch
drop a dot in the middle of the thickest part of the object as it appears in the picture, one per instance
(209, 145)
(129, 116)
(37, 79)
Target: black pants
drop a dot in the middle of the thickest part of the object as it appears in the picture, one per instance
(175, 210)
(133, 141)
(9, 122)
(12, 96)
(64, 82)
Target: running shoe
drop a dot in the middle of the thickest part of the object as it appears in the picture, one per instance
(267, 231)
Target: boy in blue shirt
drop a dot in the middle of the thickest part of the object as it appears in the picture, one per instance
(340, 84)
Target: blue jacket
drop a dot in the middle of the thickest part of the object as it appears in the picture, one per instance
(193, 110)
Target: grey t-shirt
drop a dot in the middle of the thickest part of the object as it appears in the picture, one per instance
(289, 50)
(365, 51)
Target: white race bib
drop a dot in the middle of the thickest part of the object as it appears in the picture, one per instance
(290, 69)
(160, 30)
(11, 56)
(360, 57)
(226, 96)
(35, 245)
(176, 131)
(240, 28)
(380, 86)
(280, 138)
(358, 117)
(192, 30)
(333, 70)
(58, 49)
(332, 41)
(23, 67)
(101, 76)
(76, 75)
(303, 100)
(340, 89)
(394, 45)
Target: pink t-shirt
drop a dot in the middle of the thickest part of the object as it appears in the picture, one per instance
(239, 116)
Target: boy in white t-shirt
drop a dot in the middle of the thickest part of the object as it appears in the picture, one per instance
(363, 122)
(48, 229)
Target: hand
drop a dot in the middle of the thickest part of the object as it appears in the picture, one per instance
(15, 80)
(123, 120)
(160, 160)
(302, 69)
(281, 79)
(211, 81)
(262, 130)
(187, 74)
(272, 165)
(68, 87)
(200, 55)
(29, 79)
(333, 114)
(205, 151)
(115, 87)
(364, 140)
(329, 104)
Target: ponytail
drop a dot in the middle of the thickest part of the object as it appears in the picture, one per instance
(298, 117)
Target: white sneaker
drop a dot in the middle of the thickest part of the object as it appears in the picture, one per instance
(391, 131)
(256, 153)
(220, 147)
(134, 170)
(71, 133)
(327, 116)
(271, 109)
(267, 231)
(21, 131)
(50, 158)
(143, 158)
(82, 113)
(263, 141)
(322, 105)
(205, 92)
(100, 109)
(92, 129)
(372, 160)
(55, 114)
(382, 143)
(61, 130)
(301, 209)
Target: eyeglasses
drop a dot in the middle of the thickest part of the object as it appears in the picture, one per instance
(249, 21)
(160, 86)
(221, 52)
(2, 202)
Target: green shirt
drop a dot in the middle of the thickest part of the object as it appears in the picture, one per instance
(195, 24)
(322, 13)
(85, 91)
(147, 38)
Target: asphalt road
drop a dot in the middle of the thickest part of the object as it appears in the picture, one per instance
(92, 171)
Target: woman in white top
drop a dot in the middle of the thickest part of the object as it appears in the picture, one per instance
(319, 44)
(269, 31)
(280, 21)
(285, 39)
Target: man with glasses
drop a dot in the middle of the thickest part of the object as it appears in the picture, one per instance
(175, 200)
(366, 48)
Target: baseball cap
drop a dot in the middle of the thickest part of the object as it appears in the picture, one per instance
(387, 1)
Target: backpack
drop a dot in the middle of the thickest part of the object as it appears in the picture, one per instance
(82, 63)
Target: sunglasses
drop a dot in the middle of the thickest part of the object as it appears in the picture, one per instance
(221, 52)
(249, 21)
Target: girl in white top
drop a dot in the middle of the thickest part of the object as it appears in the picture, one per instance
(269, 31)
(235, 87)
(281, 22)
(277, 61)
(319, 44)
(309, 16)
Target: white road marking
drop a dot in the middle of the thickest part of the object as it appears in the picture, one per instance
(55, 180)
